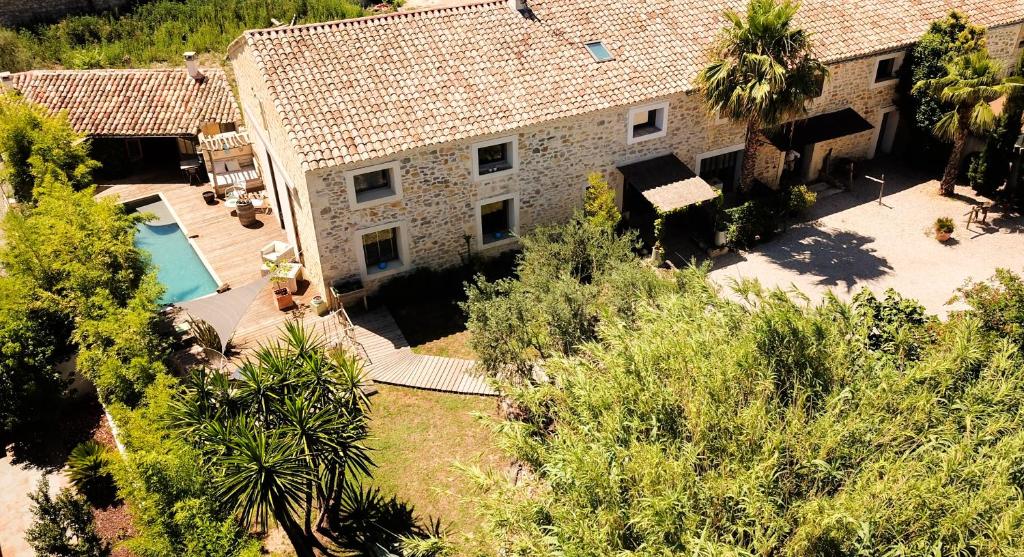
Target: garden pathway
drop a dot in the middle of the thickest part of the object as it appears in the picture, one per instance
(392, 361)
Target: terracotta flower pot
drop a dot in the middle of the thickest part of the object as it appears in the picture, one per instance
(283, 298)
(942, 236)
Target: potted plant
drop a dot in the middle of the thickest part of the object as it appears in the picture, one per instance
(943, 228)
(279, 280)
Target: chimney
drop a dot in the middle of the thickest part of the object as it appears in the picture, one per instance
(193, 67)
(518, 5)
(6, 81)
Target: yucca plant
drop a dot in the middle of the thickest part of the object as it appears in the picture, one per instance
(88, 470)
(285, 439)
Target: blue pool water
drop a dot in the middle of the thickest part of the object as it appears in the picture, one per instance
(179, 268)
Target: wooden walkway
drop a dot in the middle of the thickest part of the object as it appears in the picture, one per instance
(392, 361)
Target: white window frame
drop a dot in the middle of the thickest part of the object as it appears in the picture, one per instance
(662, 106)
(513, 153)
(396, 185)
(896, 66)
(513, 226)
(403, 250)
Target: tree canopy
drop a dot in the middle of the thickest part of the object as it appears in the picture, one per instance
(966, 89)
(38, 148)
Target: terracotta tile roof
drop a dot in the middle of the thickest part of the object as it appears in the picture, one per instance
(365, 88)
(157, 102)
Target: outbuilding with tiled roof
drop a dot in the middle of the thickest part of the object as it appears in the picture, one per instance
(135, 113)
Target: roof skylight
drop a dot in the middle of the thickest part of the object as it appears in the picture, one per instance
(599, 51)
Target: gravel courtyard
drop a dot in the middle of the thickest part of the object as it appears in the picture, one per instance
(850, 242)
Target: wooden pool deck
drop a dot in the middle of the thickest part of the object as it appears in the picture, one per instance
(232, 253)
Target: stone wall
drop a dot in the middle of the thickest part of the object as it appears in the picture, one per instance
(440, 196)
(1003, 41)
(272, 148)
(15, 13)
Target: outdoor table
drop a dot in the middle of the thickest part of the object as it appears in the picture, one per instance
(190, 167)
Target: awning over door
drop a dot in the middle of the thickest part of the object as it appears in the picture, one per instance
(667, 183)
(823, 127)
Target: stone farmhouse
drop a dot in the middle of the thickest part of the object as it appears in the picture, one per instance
(412, 139)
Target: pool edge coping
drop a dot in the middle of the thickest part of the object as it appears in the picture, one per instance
(191, 241)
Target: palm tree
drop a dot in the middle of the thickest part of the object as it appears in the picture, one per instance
(762, 71)
(971, 83)
(285, 440)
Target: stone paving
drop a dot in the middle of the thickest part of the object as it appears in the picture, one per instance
(18, 480)
(851, 242)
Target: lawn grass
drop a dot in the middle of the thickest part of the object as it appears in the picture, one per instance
(455, 345)
(417, 436)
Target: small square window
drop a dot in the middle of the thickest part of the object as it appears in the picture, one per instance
(599, 51)
(374, 185)
(647, 122)
(887, 69)
(380, 250)
(494, 158)
(496, 221)
(375, 180)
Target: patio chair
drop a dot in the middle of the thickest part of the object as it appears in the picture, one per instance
(277, 252)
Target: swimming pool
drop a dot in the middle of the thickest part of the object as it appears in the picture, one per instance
(179, 268)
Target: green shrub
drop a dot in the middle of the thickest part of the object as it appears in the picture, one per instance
(38, 148)
(63, 525)
(998, 304)
(752, 222)
(799, 200)
(895, 326)
(206, 335)
(88, 470)
(768, 426)
(944, 224)
(15, 52)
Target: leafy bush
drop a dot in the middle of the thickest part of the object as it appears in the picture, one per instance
(565, 276)
(944, 224)
(63, 525)
(895, 326)
(88, 470)
(752, 222)
(998, 304)
(14, 51)
(38, 148)
(174, 506)
(799, 201)
(599, 202)
(206, 334)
